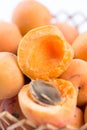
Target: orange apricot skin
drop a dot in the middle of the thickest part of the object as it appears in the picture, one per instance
(57, 115)
(43, 53)
(70, 32)
(30, 14)
(77, 74)
(11, 77)
(10, 37)
(85, 114)
(80, 46)
(78, 119)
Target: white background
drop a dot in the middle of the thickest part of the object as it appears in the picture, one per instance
(55, 6)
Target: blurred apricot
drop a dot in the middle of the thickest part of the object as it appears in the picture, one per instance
(11, 77)
(43, 53)
(77, 74)
(80, 46)
(78, 119)
(39, 111)
(85, 114)
(10, 37)
(70, 32)
(30, 14)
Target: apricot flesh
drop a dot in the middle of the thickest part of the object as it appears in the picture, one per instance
(30, 14)
(10, 37)
(57, 115)
(43, 53)
(11, 77)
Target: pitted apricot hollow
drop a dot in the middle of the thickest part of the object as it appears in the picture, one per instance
(57, 115)
(43, 53)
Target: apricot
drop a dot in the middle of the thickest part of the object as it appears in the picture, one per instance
(11, 77)
(80, 46)
(30, 14)
(78, 77)
(10, 37)
(78, 119)
(43, 53)
(85, 114)
(42, 112)
(69, 31)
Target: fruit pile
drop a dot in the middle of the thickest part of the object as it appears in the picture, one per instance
(43, 68)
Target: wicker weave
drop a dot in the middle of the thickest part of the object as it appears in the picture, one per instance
(77, 19)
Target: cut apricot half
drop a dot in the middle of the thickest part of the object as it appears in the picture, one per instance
(43, 53)
(48, 110)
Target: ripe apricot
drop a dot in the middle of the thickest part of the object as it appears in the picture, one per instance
(11, 77)
(10, 37)
(58, 114)
(70, 32)
(80, 46)
(78, 119)
(78, 77)
(43, 53)
(85, 114)
(30, 14)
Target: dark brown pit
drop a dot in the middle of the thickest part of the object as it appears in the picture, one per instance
(44, 92)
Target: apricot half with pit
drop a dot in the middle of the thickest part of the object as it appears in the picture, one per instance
(53, 103)
(43, 53)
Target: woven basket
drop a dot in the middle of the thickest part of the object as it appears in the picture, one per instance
(77, 19)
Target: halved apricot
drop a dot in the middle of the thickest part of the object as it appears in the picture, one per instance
(43, 53)
(42, 107)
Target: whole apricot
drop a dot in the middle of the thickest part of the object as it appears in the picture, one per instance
(43, 53)
(85, 114)
(30, 14)
(70, 32)
(77, 74)
(11, 77)
(80, 46)
(10, 37)
(78, 118)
